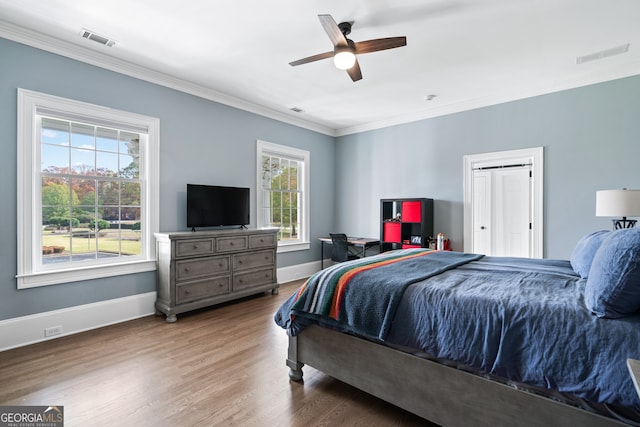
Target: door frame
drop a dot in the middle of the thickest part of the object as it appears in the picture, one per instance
(534, 156)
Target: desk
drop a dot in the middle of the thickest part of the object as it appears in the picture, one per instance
(361, 242)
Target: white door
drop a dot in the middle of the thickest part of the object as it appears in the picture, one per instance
(503, 203)
(502, 211)
(482, 225)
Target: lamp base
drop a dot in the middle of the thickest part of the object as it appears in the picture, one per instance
(619, 224)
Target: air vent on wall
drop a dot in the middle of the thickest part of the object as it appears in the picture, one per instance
(603, 54)
(90, 35)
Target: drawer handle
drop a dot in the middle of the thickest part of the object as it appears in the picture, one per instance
(195, 246)
(186, 292)
(186, 270)
(261, 240)
(231, 244)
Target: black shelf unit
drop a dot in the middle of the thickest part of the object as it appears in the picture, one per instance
(413, 227)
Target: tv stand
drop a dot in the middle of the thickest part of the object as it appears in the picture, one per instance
(211, 267)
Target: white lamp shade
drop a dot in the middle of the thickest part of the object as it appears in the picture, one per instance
(618, 203)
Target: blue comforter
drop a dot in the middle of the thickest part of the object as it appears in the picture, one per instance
(519, 319)
(342, 295)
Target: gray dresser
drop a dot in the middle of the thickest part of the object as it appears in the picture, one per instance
(203, 268)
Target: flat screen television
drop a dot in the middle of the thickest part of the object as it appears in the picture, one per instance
(213, 206)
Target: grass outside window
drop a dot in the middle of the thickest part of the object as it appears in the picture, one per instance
(123, 242)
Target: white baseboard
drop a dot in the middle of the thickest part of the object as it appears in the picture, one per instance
(25, 330)
(298, 271)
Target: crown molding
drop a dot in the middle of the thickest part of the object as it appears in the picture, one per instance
(82, 54)
(60, 47)
(627, 70)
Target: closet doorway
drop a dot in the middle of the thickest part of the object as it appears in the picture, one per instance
(503, 203)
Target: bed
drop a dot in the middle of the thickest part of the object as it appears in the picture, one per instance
(463, 339)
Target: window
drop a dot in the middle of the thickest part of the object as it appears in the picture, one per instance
(87, 190)
(283, 194)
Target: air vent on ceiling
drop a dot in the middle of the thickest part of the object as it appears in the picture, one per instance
(90, 35)
(296, 110)
(603, 54)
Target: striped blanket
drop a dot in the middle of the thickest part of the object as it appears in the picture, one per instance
(362, 296)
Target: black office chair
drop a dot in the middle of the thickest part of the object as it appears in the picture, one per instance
(340, 248)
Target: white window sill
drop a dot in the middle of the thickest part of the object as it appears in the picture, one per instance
(292, 247)
(78, 274)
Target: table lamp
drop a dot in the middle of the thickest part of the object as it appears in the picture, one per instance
(619, 203)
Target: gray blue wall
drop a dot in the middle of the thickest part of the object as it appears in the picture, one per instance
(591, 140)
(200, 142)
(591, 137)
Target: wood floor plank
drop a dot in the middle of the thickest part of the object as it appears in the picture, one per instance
(224, 365)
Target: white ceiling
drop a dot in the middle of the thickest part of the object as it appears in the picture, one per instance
(469, 53)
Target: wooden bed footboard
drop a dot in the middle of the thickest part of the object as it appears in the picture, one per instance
(438, 393)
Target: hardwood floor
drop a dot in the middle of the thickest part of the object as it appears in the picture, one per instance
(220, 366)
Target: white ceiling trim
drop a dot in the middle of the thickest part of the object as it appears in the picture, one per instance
(79, 53)
(629, 70)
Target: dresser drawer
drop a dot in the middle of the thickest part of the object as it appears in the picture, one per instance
(226, 244)
(201, 267)
(193, 247)
(255, 278)
(203, 289)
(253, 260)
(262, 241)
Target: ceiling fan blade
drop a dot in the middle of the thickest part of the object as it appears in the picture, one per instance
(332, 30)
(312, 58)
(380, 44)
(354, 72)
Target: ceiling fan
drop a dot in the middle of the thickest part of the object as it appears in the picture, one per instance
(345, 50)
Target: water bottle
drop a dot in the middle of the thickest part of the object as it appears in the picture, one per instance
(440, 242)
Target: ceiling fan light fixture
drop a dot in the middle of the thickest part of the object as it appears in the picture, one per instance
(344, 58)
(344, 49)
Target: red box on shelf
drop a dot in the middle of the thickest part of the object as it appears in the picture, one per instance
(391, 232)
(411, 211)
(410, 246)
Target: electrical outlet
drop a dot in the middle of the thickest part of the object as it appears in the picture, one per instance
(52, 331)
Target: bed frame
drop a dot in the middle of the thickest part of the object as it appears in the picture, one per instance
(438, 393)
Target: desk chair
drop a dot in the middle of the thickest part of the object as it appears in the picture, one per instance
(340, 248)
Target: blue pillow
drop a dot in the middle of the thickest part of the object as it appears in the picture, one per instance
(585, 250)
(613, 285)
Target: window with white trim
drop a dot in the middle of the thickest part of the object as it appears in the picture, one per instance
(87, 190)
(283, 193)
